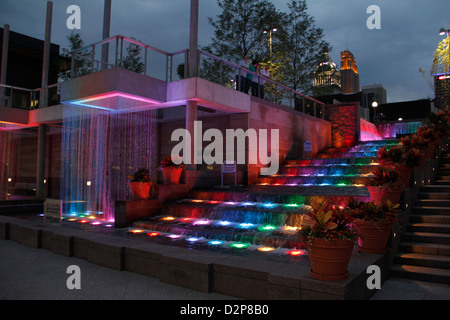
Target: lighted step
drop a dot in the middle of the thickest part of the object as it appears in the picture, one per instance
(318, 180)
(426, 248)
(252, 212)
(434, 195)
(441, 238)
(423, 260)
(429, 227)
(326, 170)
(421, 273)
(433, 202)
(431, 210)
(427, 218)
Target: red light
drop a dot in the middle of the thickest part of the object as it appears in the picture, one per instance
(213, 201)
(153, 234)
(295, 252)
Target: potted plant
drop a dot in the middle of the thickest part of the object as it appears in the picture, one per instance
(385, 184)
(402, 158)
(329, 236)
(374, 222)
(141, 184)
(171, 171)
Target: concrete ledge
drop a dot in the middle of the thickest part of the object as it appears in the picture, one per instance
(188, 269)
(26, 234)
(203, 271)
(243, 278)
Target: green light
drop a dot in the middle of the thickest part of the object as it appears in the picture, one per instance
(239, 245)
(292, 205)
(267, 228)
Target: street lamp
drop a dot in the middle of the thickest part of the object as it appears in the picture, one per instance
(270, 38)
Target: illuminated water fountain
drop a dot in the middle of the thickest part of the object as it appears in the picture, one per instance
(100, 148)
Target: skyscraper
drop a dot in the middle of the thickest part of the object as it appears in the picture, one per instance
(327, 78)
(349, 73)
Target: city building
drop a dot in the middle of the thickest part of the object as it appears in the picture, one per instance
(327, 78)
(442, 90)
(349, 73)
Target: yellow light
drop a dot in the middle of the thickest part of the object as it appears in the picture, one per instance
(288, 228)
(266, 249)
(137, 231)
(168, 218)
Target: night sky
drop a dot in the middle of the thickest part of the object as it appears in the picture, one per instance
(392, 55)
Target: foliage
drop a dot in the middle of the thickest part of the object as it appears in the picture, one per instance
(297, 45)
(133, 60)
(327, 222)
(401, 155)
(141, 175)
(371, 211)
(303, 46)
(386, 178)
(168, 162)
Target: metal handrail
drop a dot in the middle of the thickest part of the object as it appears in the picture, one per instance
(92, 65)
(235, 66)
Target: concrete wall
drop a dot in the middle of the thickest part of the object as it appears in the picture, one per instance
(294, 127)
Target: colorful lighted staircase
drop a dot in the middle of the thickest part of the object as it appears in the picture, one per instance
(269, 213)
(425, 252)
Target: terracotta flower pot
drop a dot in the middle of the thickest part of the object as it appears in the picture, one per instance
(172, 175)
(140, 190)
(373, 236)
(329, 259)
(378, 194)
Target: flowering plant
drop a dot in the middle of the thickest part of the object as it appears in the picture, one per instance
(386, 178)
(371, 211)
(327, 222)
(141, 175)
(168, 162)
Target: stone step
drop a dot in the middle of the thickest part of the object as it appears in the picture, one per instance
(433, 202)
(423, 260)
(431, 210)
(433, 195)
(426, 248)
(429, 227)
(435, 188)
(318, 180)
(421, 218)
(279, 194)
(421, 273)
(442, 182)
(326, 170)
(246, 211)
(428, 237)
(217, 230)
(331, 161)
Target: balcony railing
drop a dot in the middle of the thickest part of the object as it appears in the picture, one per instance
(133, 55)
(28, 99)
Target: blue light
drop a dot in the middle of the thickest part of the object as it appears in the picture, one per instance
(215, 242)
(246, 225)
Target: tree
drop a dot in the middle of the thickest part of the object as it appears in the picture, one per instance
(303, 46)
(239, 28)
(133, 59)
(297, 45)
(82, 65)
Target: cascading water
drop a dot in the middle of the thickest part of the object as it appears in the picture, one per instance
(100, 148)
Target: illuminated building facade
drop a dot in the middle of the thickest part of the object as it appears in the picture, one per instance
(327, 78)
(349, 73)
(442, 90)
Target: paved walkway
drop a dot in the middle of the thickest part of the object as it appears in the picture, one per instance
(28, 274)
